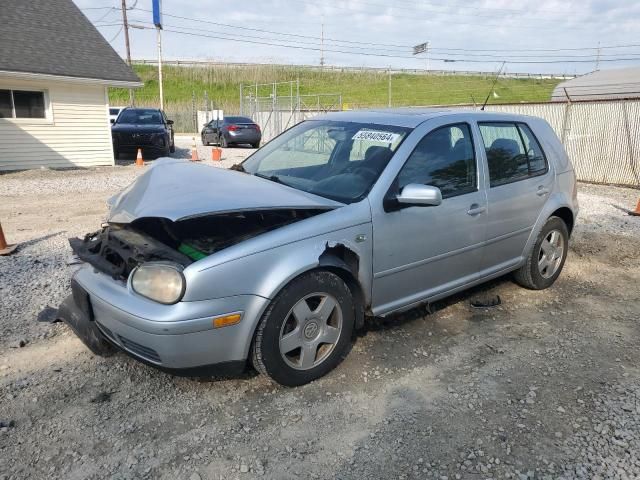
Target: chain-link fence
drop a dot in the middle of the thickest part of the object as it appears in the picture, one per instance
(278, 106)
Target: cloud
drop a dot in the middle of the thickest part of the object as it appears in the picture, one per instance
(460, 24)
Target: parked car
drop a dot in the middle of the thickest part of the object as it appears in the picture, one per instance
(114, 112)
(232, 131)
(145, 128)
(343, 217)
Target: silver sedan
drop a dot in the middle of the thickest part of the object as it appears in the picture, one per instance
(279, 260)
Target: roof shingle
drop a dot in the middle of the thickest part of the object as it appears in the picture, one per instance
(54, 37)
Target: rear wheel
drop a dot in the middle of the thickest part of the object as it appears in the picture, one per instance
(223, 142)
(547, 257)
(255, 145)
(306, 330)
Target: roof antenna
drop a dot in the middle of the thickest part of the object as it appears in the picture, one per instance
(495, 80)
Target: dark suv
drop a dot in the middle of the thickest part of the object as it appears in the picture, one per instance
(232, 131)
(145, 128)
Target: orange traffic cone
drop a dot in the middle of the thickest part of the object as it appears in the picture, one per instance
(194, 151)
(139, 160)
(4, 248)
(636, 212)
(216, 154)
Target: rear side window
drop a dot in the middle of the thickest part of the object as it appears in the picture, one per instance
(513, 153)
(445, 159)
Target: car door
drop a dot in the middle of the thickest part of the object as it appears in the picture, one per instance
(420, 252)
(519, 183)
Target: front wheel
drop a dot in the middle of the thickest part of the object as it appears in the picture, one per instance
(172, 147)
(306, 330)
(547, 257)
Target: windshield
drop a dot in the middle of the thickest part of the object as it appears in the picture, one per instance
(337, 160)
(141, 117)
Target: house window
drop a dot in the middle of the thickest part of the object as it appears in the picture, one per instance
(22, 104)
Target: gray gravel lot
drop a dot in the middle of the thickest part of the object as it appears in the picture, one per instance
(544, 386)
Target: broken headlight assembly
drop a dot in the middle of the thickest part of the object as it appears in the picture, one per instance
(160, 282)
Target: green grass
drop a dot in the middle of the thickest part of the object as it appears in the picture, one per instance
(358, 88)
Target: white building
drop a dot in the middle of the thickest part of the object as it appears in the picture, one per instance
(55, 69)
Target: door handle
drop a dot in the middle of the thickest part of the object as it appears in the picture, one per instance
(542, 191)
(475, 209)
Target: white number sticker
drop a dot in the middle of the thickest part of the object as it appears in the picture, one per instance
(376, 136)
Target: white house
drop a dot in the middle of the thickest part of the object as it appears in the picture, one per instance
(55, 69)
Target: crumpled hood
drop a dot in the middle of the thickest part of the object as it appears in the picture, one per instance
(178, 189)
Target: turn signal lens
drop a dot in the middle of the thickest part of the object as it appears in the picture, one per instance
(227, 320)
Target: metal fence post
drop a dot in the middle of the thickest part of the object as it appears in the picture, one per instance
(566, 120)
(194, 111)
(241, 101)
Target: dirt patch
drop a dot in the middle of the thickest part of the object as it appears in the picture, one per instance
(544, 385)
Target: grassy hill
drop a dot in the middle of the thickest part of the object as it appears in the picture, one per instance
(358, 88)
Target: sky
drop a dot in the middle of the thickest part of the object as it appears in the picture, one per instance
(534, 36)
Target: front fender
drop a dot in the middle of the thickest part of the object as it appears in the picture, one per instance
(265, 273)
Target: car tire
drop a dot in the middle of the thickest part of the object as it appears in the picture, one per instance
(255, 145)
(172, 147)
(204, 142)
(223, 142)
(546, 259)
(316, 311)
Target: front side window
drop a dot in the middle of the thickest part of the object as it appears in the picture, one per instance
(22, 104)
(444, 158)
(513, 153)
(317, 156)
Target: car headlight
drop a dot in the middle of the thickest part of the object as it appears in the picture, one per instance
(159, 282)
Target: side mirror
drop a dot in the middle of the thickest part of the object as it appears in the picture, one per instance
(169, 122)
(112, 120)
(417, 194)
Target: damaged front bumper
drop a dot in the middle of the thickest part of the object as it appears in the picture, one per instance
(178, 338)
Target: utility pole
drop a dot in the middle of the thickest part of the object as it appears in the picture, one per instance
(427, 52)
(389, 75)
(158, 29)
(598, 58)
(125, 25)
(322, 44)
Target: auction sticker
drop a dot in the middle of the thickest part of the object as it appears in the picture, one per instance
(376, 136)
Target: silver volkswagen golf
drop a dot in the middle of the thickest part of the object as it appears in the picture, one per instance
(351, 215)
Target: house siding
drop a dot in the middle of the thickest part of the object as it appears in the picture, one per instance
(76, 132)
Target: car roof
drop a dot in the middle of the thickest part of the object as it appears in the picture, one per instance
(412, 117)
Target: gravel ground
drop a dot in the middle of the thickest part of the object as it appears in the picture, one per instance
(544, 386)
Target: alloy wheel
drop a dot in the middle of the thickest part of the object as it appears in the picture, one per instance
(311, 331)
(551, 254)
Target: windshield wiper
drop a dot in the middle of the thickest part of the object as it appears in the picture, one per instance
(273, 178)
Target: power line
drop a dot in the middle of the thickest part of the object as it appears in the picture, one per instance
(116, 35)
(272, 32)
(353, 42)
(444, 59)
